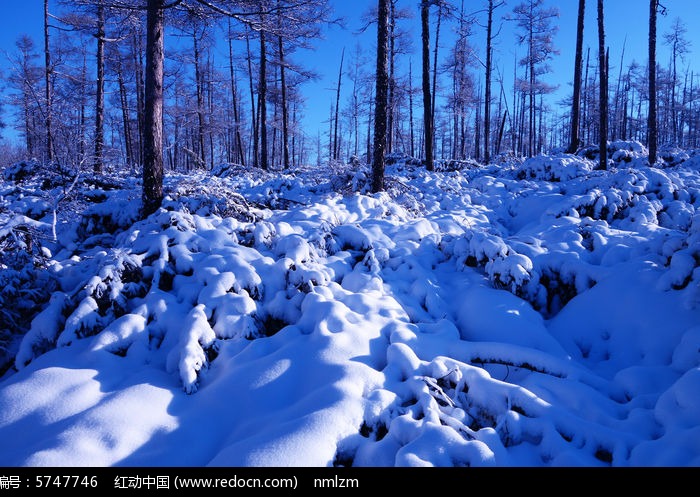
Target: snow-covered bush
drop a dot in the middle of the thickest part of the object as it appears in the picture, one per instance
(554, 168)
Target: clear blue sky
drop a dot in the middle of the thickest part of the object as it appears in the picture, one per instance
(623, 18)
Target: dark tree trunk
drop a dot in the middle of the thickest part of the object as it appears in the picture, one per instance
(578, 67)
(239, 156)
(153, 111)
(382, 89)
(262, 101)
(336, 145)
(651, 121)
(199, 83)
(602, 69)
(410, 108)
(256, 155)
(487, 92)
(49, 86)
(427, 101)
(285, 116)
(100, 96)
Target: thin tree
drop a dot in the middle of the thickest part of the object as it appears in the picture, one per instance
(603, 85)
(336, 145)
(578, 69)
(48, 71)
(651, 120)
(675, 38)
(100, 95)
(382, 88)
(427, 101)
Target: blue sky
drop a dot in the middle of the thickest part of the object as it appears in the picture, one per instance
(624, 20)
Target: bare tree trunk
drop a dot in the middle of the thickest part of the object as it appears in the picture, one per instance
(285, 117)
(603, 86)
(49, 86)
(427, 112)
(410, 107)
(336, 145)
(123, 100)
(382, 88)
(392, 78)
(435, 64)
(100, 94)
(140, 98)
(262, 100)
(239, 156)
(576, 104)
(200, 98)
(487, 92)
(651, 121)
(256, 154)
(153, 112)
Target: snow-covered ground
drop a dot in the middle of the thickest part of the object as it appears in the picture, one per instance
(530, 313)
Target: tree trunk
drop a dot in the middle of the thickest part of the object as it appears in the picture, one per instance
(336, 145)
(200, 99)
(382, 88)
(285, 117)
(123, 100)
(392, 78)
(651, 121)
(254, 121)
(239, 156)
(153, 111)
(49, 87)
(410, 108)
(100, 96)
(487, 92)
(262, 101)
(427, 112)
(603, 86)
(578, 67)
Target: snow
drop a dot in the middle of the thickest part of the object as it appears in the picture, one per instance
(529, 313)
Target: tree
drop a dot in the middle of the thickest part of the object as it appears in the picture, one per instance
(26, 80)
(492, 6)
(651, 120)
(336, 145)
(578, 69)
(675, 38)
(603, 85)
(535, 22)
(427, 100)
(152, 195)
(382, 88)
(48, 72)
(100, 94)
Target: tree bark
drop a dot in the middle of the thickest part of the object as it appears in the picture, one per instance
(578, 69)
(49, 87)
(651, 121)
(262, 100)
(487, 91)
(427, 108)
(382, 88)
(153, 111)
(603, 86)
(285, 114)
(100, 94)
(336, 145)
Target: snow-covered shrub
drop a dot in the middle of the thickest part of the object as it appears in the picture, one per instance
(554, 168)
(20, 171)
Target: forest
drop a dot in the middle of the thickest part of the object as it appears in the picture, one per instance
(465, 263)
(86, 96)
